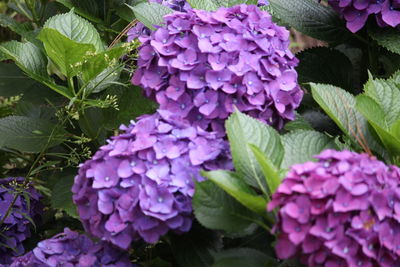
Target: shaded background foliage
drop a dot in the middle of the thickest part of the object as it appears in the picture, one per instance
(54, 116)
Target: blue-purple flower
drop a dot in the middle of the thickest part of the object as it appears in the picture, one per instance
(140, 185)
(73, 249)
(200, 65)
(343, 210)
(356, 12)
(15, 227)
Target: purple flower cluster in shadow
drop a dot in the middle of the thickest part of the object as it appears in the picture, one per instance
(140, 185)
(71, 249)
(343, 210)
(356, 12)
(16, 225)
(177, 5)
(201, 64)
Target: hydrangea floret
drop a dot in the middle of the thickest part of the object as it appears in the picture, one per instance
(69, 249)
(356, 12)
(140, 185)
(343, 210)
(15, 227)
(202, 64)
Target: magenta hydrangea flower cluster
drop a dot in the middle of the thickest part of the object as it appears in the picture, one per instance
(356, 12)
(140, 185)
(201, 64)
(73, 249)
(15, 228)
(343, 210)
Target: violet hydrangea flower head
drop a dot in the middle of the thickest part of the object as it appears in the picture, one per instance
(356, 12)
(343, 210)
(73, 249)
(201, 64)
(140, 185)
(15, 227)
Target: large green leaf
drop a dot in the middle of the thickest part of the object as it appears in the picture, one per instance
(17, 27)
(243, 257)
(29, 135)
(151, 14)
(61, 196)
(340, 106)
(75, 28)
(216, 210)
(271, 173)
(243, 130)
(239, 190)
(33, 62)
(88, 9)
(387, 37)
(94, 64)
(68, 55)
(300, 146)
(311, 18)
(325, 65)
(376, 117)
(28, 57)
(208, 5)
(387, 95)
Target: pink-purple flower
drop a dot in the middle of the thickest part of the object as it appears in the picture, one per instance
(343, 210)
(140, 185)
(16, 226)
(73, 249)
(200, 65)
(356, 12)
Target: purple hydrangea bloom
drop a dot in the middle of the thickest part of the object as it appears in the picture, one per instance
(356, 12)
(343, 210)
(201, 64)
(16, 226)
(73, 249)
(140, 185)
(178, 5)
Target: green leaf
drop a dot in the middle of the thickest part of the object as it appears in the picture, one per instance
(376, 117)
(88, 9)
(61, 196)
(216, 210)
(325, 65)
(17, 27)
(387, 95)
(300, 123)
(195, 249)
(65, 53)
(33, 62)
(396, 77)
(340, 106)
(271, 173)
(150, 14)
(94, 64)
(243, 130)
(301, 145)
(395, 130)
(239, 190)
(28, 57)
(75, 28)
(208, 5)
(243, 257)
(311, 18)
(29, 135)
(386, 37)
